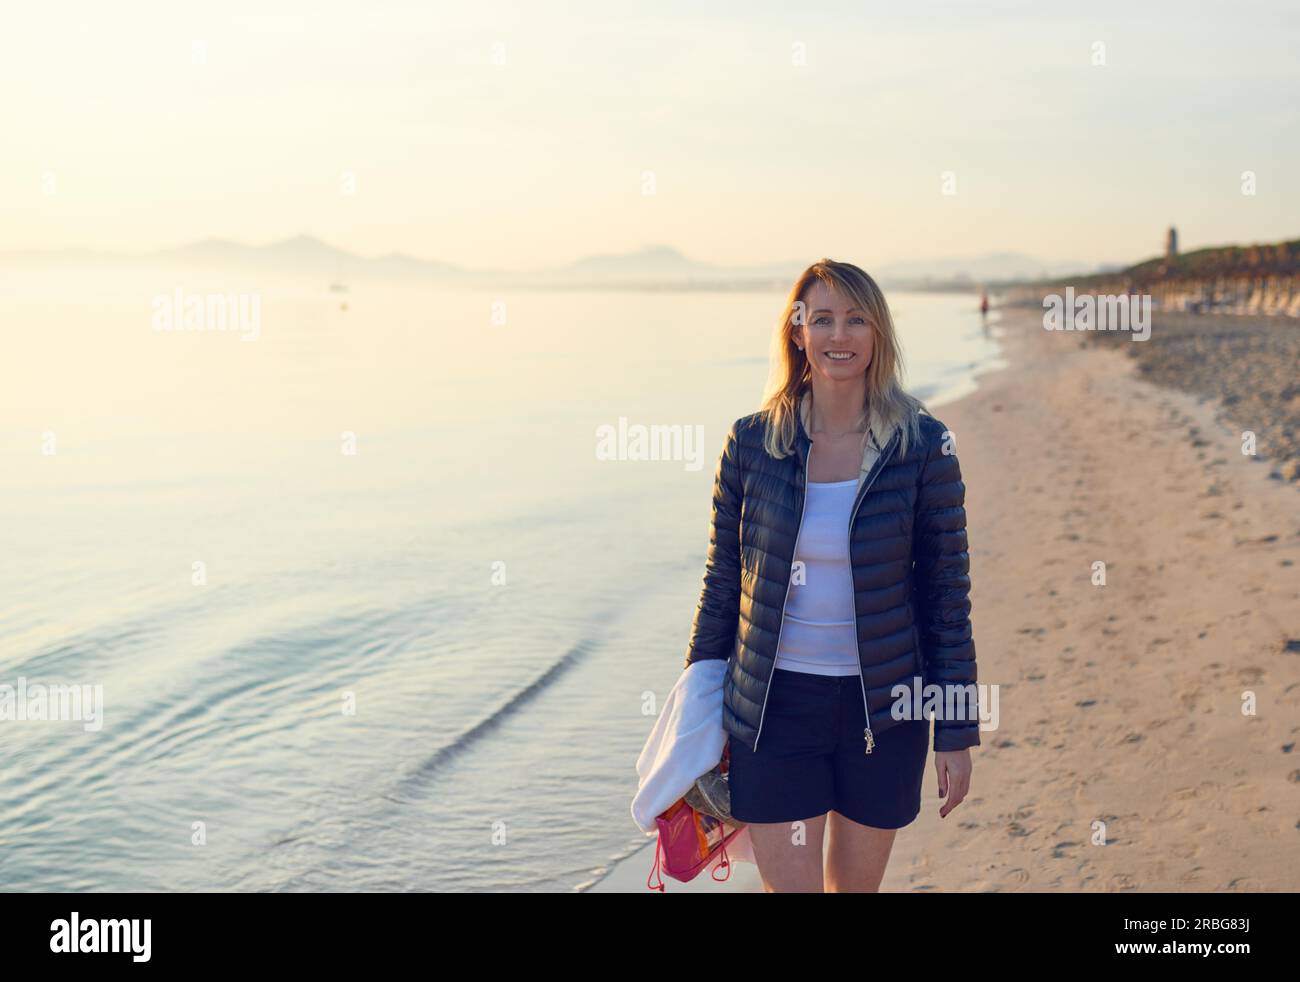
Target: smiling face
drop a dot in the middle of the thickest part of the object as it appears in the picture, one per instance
(837, 336)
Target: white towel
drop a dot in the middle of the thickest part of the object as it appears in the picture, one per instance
(687, 740)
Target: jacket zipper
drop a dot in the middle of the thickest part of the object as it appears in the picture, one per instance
(879, 466)
(768, 688)
(867, 735)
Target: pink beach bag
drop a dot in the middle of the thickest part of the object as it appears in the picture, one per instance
(689, 841)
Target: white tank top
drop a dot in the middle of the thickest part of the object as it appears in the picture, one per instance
(819, 634)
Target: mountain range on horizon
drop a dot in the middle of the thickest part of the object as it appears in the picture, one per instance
(652, 265)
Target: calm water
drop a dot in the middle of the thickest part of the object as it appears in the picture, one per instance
(418, 666)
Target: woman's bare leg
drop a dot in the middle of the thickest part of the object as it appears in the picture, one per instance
(857, 856)
(789, 854)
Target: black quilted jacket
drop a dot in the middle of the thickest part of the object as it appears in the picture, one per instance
(910, 577)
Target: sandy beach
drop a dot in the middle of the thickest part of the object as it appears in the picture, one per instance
(1123, 758)
(1120, 704)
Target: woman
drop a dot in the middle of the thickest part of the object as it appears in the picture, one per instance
(837, 569)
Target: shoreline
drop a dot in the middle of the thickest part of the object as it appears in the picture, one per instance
(1123, 760)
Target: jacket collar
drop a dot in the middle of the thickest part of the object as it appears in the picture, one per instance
(882, 432)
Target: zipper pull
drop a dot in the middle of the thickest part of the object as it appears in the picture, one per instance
(871, 740)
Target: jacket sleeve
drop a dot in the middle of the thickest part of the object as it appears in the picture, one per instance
(713, 633)
(942, 580)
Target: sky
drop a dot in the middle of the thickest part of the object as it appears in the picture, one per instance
(515, 135)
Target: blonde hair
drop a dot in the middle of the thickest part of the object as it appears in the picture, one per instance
(791, 376)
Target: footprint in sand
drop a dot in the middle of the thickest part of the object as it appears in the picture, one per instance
(1190, 697)
(1244, 883)
(1243, 799)
(1192, 875)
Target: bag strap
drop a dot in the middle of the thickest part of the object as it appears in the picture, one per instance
(723, 864)
(654, 871)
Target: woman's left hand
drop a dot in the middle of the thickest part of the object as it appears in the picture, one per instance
(954, 767)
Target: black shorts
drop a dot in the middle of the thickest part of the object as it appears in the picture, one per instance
(812, 758)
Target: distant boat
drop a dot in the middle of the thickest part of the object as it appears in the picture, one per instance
(337, 287)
